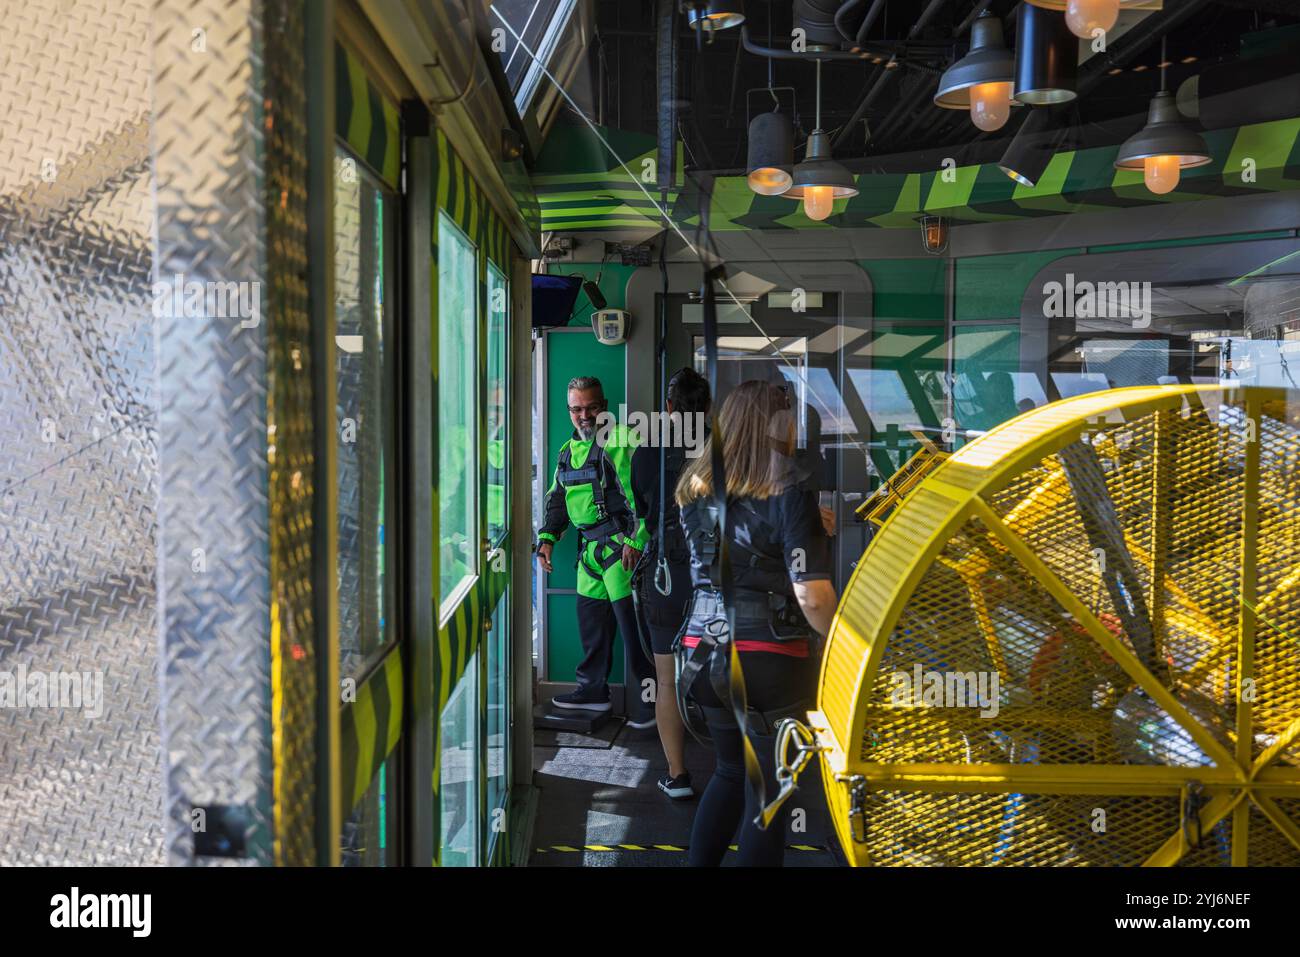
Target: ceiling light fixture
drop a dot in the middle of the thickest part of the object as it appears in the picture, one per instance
(1032, 148)
(819, 180)
(771, 153)
(983, 79)
(715, 15)
(1047, 57)
(1166, 145)
(1084, 16)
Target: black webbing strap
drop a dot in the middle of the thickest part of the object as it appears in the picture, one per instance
(737, 697)
(663, 578)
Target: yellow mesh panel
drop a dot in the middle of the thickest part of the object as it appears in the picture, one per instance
(1050, 649)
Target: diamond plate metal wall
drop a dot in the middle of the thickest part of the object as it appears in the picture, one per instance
(78, 423)
(235, 431)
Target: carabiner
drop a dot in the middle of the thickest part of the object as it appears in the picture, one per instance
(664, 573)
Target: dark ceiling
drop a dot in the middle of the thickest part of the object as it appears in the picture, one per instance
(720, 85)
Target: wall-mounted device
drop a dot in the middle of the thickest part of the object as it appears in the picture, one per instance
(610, 325)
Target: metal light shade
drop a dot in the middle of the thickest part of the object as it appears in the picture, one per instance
(1047, 57)
(1164, 135)
(989, 61)
(716, 15)
(771, 153)
(818, 169)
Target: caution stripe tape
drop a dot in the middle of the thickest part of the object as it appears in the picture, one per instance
(581, 848)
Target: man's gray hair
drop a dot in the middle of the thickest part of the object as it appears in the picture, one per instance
(582, 383)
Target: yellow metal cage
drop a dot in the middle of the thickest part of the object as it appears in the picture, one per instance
(1075, 643)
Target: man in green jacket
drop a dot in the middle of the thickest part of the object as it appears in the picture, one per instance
(592, 491)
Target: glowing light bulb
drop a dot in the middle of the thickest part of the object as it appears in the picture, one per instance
(818, 201)
(1160, 173)
(990, 105)
(769, 181)
(1084, 16)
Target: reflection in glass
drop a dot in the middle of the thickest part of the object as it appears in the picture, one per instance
(457, 413)
(458, 773)
(498, 436)
(498, 722)
(363, 228)
(366, 837)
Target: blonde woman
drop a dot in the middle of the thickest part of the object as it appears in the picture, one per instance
(781, 564)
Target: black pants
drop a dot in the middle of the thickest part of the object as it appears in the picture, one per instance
(772, 681)
(597, 620)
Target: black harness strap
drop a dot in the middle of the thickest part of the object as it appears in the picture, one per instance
(718, 672)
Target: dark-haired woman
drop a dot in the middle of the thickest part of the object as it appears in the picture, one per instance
(662, 614)
(781, 566)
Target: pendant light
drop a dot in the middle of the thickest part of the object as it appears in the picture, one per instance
(1166, 145)
(1084, 16)
(1031, 150)
(819, 180)
(983, 79)
(771, 153)
(716, 15)
(771, 148)
(1047, 57)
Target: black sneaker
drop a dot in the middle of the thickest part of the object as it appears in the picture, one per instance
(642, 722)
(583, 699)
(678, 788)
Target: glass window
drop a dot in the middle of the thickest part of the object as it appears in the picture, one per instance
(457, 414)
(364, 236)
(458, 773)
(540, 24)
(498, 403)
(368, 838)
(498, 723)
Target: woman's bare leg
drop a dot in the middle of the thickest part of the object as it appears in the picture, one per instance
(672, 733)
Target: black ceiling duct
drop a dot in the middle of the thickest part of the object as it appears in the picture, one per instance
(817, 18)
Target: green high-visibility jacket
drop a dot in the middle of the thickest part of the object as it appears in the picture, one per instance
(575, 504)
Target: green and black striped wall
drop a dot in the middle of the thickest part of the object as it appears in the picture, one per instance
(371, 726)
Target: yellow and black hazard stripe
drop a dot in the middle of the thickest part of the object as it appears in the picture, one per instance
(676, 848)
(370, 727)
(365, 118)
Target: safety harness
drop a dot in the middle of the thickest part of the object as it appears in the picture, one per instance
(603, 530)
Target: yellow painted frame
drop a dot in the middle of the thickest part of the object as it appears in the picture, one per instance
(911, 540)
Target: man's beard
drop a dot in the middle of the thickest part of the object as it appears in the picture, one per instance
(586, 433)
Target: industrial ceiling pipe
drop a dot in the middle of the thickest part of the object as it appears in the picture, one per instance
(846, 10)
(926, 16)
(817, 18)
(868, 22)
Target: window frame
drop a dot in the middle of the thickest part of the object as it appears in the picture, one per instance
(447, 604)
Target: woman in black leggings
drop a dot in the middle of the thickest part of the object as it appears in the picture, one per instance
(781, 565)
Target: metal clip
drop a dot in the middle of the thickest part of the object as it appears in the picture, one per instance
(857, 806)
(787, 773)
(663, 577)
